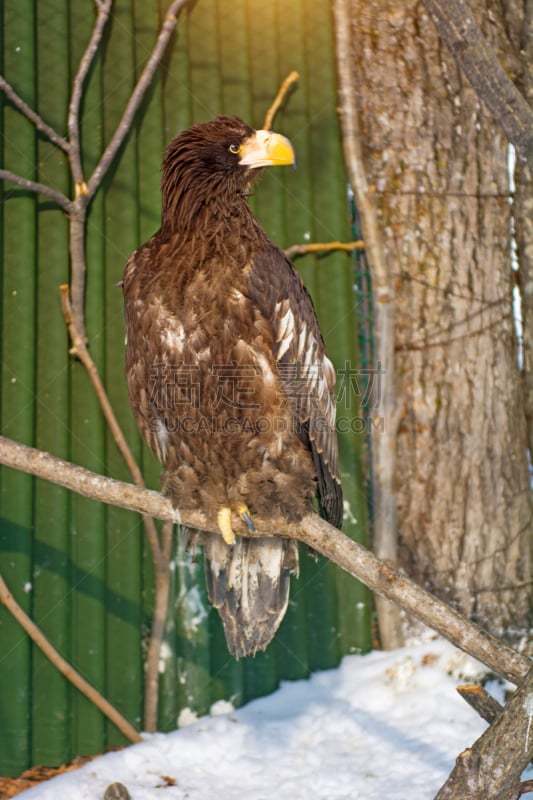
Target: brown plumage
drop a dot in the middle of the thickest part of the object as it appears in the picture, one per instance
(227, 374)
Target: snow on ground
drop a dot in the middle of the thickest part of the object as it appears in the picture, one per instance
(381, 726)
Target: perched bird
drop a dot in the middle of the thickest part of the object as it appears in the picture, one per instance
(227, 373)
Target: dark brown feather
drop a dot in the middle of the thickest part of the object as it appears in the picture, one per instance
(227, 375)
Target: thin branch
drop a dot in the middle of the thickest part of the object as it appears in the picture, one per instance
(323, 247)
(79, 349)
(151, 683)
(460, 33)
(312, 530)
(103, 11)
(38, 188)
(64, 667)
(291, 78)
(160, 553)
(137, 95)
(32, 116)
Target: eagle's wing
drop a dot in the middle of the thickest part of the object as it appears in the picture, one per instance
(249, 582)
(306, 374)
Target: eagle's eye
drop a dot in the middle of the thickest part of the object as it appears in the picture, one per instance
(234, 148)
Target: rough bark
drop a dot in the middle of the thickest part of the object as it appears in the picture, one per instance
(523, 216)
(477, 58)
(383, 441)
(492, 767)
(439, 166)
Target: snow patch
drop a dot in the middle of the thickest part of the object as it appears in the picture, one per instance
(383, 725)
(186, 717)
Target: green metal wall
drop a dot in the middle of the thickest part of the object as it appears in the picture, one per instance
(80, 569)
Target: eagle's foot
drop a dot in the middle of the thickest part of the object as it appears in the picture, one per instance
(224, 519)
(224, 515)
(244, 513)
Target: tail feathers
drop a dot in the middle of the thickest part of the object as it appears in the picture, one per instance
(248, 583)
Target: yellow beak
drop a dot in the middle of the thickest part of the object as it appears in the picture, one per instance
(265, 149)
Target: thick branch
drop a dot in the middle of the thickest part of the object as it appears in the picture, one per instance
(38, 188)
(459, 31)
(32, 116)
(312, 530)
(64, 667)
(137, 95)
(491, 769)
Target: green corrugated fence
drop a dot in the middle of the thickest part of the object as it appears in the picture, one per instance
(82, 570)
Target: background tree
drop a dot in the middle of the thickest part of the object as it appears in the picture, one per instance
(438, 165)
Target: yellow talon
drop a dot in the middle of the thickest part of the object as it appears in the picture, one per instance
(224, 524)
(244, 513)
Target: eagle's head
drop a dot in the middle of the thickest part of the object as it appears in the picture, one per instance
(212, 164)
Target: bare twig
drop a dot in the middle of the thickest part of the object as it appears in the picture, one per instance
(323, 247)
(103, 11)
(291, 78)
(38, 188)
(312, 530)
(137, 95)
(162, 578)
(64, 667)
(32, 116)
(79, 349)
(160, 553)
(383, 442)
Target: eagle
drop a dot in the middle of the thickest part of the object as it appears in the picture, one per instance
(227, 373)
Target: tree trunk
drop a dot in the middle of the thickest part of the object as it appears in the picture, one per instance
(439, 166)
(523, 217)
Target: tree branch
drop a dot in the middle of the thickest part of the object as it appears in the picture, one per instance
(491, 768)
(160, 552)
(32, 116)
(460, 33)
(159, 617)
(79, 349)
(137, 95)
(312, 530)
(291, 78)
(64, 667)
(383, 443)
(39, 188)
(525, 787)
(323, 247)
(102, 15)
(481, 701)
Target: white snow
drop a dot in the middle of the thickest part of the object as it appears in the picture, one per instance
(381, 726)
